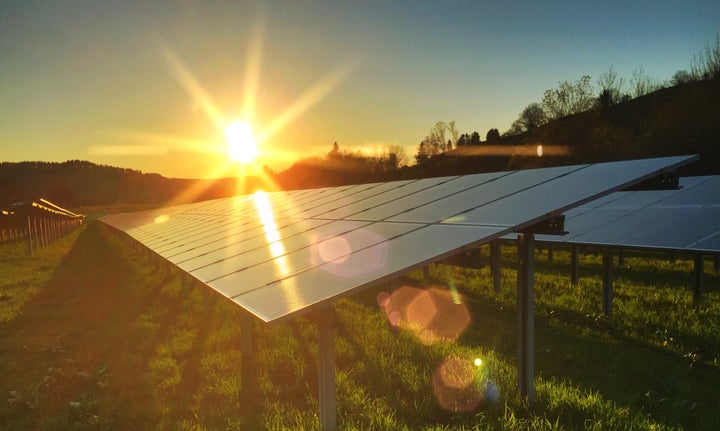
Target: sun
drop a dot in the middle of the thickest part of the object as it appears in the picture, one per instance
(241, 141)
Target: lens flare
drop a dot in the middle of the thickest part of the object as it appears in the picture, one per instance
(432, 314)
(455, 387)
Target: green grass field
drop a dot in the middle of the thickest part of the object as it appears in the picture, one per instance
(92, 336)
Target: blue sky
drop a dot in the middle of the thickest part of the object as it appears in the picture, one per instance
(90, 79)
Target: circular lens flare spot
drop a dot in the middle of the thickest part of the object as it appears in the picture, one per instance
(455, 386)
(334, 249)
(241, 142)
(431, 314)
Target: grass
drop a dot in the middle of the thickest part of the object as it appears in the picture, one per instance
(92, 336)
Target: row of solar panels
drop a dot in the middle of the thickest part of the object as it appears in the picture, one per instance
(16, 215)
(283, 253)
(685, 219)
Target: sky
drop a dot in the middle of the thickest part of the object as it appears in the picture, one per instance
(149, 85)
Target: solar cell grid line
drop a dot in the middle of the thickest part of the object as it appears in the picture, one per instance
(558, 195)
(319, 196)
(228, 255)
(231, 255)
(355, 199)
(709, 244)
(632, 221)
(299, 209)
(287, 249)
(428, 197)
(423, 197)
(259, 274)
(251, 215)
(239, 244)
(285, 298)
(293, 207)
(628, 199)
(625, 200)
(217, 240)
(708, 191)
(391, 195)
(635, 199)
(451, 207)
(217, 223)
(206, 234)
(611, 223)
(178, 227)
(680, 232)
(177, 223)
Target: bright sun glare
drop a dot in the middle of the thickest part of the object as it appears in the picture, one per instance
(241, 142)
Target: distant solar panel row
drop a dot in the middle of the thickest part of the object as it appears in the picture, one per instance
(687, 219)
(282, 253)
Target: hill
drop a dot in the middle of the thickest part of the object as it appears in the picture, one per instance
(75, 183)
(683, 119)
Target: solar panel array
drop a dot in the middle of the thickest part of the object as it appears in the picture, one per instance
(283, 253)
(686, 219)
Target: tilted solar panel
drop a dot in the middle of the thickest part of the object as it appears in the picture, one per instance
(684, 219)
(279, 254)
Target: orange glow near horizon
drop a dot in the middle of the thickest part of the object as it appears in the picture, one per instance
(245, 148)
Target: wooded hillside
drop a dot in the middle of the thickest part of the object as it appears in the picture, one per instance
(75, 183)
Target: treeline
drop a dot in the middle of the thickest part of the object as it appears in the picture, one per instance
(682, 119)
(76, 183)
(341, 167)
(577, 122)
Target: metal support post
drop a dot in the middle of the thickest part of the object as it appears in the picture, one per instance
(326, 370)
(29, 237)
(699, 269)
(248, 371)
(607, 282)
(621, 256)
(550, 253)
(526, 318)
(495, 254)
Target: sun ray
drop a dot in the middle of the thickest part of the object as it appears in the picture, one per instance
(191, 85)
(254, 67)
(166, 142)
(309, 98)
(158, 144)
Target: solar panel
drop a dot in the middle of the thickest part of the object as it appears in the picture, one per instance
(280, 254)
(684, 219)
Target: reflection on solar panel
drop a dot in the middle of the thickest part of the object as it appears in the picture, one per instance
(686, 219)
(280, 254)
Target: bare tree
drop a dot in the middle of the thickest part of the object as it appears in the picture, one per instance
(398, 153)
(454, 132)
(568, 98)
(611, 87)
(706, 63)
(642, 84)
